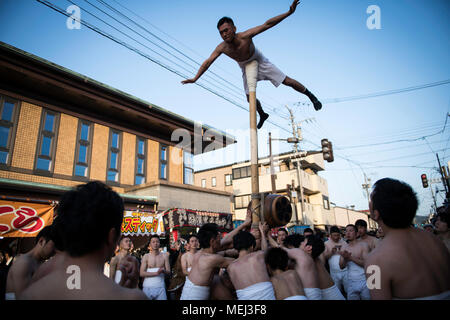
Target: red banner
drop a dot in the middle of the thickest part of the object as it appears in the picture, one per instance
(23, 219)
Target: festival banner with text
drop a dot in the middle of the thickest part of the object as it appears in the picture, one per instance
(142, 223)
(23, 219)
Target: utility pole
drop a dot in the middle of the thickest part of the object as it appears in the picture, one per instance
(434, 198)
(272, 170)
(444, 181)
(299, 176)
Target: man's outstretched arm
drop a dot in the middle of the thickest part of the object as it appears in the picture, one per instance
(205, 65)
(271, 22)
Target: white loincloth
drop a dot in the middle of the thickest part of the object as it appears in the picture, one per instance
(441, 296)
(257, 291)
(118, 276)
(154, 287)
(296, 298)
(333, 262)
(194, 292)
(10, 296)
(332, 293)
(266, 70)
(313, 293)
(356, 283)
(340, 279)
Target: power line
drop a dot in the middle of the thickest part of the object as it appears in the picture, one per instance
(234, 87)
(395, 141)
(381, 93)
(128, 46)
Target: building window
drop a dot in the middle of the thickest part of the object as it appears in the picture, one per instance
(47, 142)
(326, 202)
(188, 167)
(213, 181)
(242, 172)
(163, 156)
(241, 202)
(83, 151)
(203, 183)
(114, 156)
(9, 113)
(228, 180)
(141, 151)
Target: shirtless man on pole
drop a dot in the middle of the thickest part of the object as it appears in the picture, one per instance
(186, 259)
(362, 235)
(412, 263)
(124, 251)
(90, 218)
(153, 268)
(25, 265)
(353, 256)
(332, 249)
(240, 47)
(286, 283)
(248, 272)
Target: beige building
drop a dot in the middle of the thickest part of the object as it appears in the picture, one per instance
(236, 178)
(346, 215)
(59, 129)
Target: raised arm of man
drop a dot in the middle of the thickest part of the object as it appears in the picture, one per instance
(263, 229)
(205, 65)
(228, 239)
(250, 33)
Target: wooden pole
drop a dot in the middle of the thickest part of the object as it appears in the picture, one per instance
(251, 71)
(272, 171)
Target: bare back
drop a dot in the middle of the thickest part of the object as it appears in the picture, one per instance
(204, 265)
(287, 284)
(248, 270)
(93, 285)
(305, 268)
(414, 262)
(21, 273)
(88, 282)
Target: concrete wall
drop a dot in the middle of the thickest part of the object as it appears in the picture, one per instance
(180, 196)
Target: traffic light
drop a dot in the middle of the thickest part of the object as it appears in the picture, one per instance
(327, 150)
(424, 180)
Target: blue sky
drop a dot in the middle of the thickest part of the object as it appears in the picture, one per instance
(325, 45)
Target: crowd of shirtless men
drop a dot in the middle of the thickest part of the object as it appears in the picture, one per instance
(405, 262)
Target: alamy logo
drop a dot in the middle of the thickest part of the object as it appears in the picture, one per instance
(374, 21)
(373, 277)
(73, 22)
(74, 280)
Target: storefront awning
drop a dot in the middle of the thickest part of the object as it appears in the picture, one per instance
(177, 218)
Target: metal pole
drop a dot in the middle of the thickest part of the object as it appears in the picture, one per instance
(444, 181)
(251, 70)
(272, 171)
(299, 176)
(434, 199)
